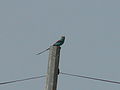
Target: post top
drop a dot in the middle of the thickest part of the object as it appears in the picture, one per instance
(55, 47)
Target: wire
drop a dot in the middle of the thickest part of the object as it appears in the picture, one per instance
(68, 74)
(98, 79)
(7, 82)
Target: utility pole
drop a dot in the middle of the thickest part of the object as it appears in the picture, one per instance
(53, 68)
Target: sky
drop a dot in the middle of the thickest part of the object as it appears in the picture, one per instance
(91, 48)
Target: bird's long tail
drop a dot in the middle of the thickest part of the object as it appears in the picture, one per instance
(42, 51)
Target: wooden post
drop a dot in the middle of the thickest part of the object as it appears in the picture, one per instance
(52, 72)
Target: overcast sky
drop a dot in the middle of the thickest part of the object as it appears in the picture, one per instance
(92, 46)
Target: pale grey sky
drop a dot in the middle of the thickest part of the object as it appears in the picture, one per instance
(92, 46)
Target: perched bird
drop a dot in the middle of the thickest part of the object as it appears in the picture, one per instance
(58, 43)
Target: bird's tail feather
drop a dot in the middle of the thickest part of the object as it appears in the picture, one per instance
(42, 51)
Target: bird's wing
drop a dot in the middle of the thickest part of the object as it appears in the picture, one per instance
(58, 41)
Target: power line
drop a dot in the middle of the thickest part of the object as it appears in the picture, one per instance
(7, 82)
(87, 77)
(68, 74)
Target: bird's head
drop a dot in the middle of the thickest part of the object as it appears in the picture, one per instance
(62, 37)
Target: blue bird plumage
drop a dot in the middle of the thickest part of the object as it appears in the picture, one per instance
(58, 43)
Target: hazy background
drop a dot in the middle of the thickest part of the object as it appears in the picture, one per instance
(92, 46)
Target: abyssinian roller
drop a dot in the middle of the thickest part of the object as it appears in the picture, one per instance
(58, 43)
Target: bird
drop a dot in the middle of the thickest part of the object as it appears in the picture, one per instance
(60, 42)
(57, 43)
